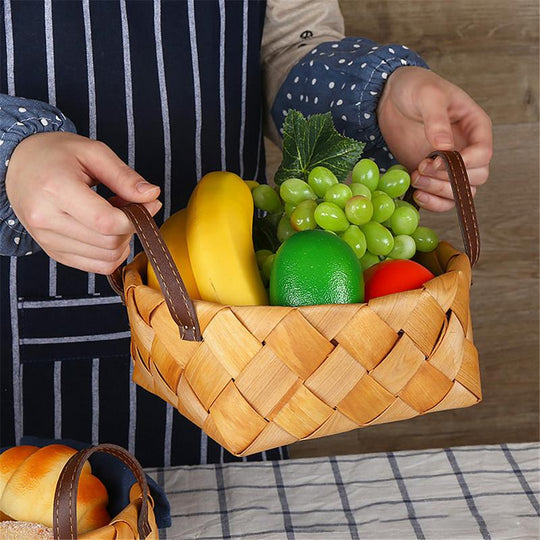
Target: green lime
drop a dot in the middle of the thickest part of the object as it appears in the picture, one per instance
(315, 267)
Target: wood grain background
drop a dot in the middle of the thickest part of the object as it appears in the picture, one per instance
(490, 49)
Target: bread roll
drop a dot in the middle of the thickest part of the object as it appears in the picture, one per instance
(28, 478)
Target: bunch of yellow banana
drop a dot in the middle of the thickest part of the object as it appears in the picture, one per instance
(211, 243)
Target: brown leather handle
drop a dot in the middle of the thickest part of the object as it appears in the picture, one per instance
(65, 497)
(174, 291)
(461, 189)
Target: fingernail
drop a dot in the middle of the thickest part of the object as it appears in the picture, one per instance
(420, 181)
(421, 197)
(442, 139)
(426, 167)
(146, 187)
(438, 163)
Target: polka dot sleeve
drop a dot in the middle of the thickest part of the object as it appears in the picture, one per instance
(20, 118)
(346, 78)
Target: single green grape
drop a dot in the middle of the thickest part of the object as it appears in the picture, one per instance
(395, 183)
(267, 266)
(261, 256)
(404, 220)
(360, 189)
(404, 247)
(289, 208)
(338, 194)
(331, 217)
(356, 239)
(303, 216)
(284, 228)
(399, 167)
(379, 239)
(320, 179)
(265, 198)
(401, 202)
(359, 210)
(426, 239)
(366, 172)
(294, 190)
(368, 260)
(383, 207)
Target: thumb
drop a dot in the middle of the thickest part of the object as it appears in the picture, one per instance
(104, 166)
(437, 126)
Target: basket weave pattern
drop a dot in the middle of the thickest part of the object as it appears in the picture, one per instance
(266, 376)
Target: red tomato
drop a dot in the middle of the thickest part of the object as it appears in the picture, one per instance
(389, 277)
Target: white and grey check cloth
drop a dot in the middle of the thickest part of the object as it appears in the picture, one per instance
(455, 493)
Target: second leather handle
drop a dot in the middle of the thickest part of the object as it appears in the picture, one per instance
(461, 189)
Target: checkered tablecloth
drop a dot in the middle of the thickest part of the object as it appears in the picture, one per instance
(463, 492)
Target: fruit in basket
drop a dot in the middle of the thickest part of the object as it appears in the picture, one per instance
(173, 232)
(219, 240)
(394, 276)
(315, 267)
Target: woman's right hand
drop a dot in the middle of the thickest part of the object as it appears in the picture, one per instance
(48, 183)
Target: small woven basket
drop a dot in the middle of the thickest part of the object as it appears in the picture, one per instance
(258, 377)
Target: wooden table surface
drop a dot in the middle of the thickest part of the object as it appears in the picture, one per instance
(490, 49)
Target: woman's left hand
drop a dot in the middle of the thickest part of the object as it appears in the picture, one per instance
(419, 112)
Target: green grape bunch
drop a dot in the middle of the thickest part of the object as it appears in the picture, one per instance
(367, 211)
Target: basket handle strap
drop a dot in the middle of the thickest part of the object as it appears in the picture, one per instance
(174, 291)
(65, 497)
(461, 189)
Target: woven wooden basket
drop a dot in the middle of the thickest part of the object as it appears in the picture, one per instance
(257, 377)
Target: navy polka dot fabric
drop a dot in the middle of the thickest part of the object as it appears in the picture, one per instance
(346, 78)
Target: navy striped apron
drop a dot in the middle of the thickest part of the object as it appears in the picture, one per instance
(174, 88)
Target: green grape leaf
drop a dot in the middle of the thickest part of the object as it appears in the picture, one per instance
(314, 141)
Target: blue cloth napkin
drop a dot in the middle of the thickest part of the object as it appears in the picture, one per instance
(116, 477)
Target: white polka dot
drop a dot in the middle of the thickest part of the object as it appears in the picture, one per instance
(281, 130)
(44, 121)
(316, 100)
(372, 137)
(313, 51)
(363, 65)
(331, 84)
(313, 81)
(342, 61)
(284, 112)
(7, 162)
(335, 46)
(385, 149)
(353, 86)
(301, 97)
(332, 103)
(326, 67)
(350, 63)
(383, 170)
(311, 62)
(404, 62)
(28, 253)
(370, 52)
(59, 119)
(20, 124)
(373, 93)
(289, 96)
(307, 99)
(356, 45)
(384, 75)
(339, 102)
(11, 222)
(296, 79)
(17, 240)
(392, 51)
(405, 47)
(374, 48)
(344, 118)
(390, 155)
(367, 116)
(22, 109)
(1, 143)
